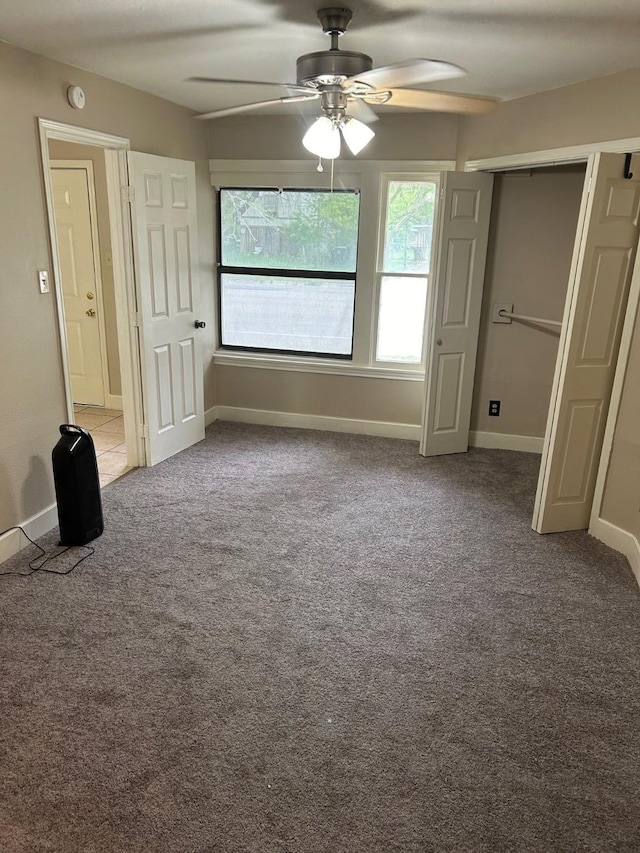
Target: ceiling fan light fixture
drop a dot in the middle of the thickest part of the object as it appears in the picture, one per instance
(356, 134)
(323, 139)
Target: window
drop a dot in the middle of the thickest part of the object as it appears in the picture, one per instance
(404, 261)
(325, 282)
(288, 270)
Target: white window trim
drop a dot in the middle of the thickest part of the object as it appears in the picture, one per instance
(299, 364)
(368, 176)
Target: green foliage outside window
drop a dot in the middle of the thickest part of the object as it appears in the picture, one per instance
(304, 230)
(409, 226)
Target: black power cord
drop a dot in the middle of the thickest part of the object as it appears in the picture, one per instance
(39, 568)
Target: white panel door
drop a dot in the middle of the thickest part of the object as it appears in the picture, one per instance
(166, 263)
(594, 312)
(454, 315)
(78, 280)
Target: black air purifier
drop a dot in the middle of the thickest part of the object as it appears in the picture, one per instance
(75, 475)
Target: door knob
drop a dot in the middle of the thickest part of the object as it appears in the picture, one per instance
(90, 295)
(90, 313)
(439, 342)
(199, 324)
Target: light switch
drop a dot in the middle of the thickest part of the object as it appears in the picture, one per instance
(43, 281)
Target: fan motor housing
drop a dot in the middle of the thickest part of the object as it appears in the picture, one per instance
(331, 66)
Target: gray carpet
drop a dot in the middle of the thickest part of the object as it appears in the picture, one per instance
(301, 642)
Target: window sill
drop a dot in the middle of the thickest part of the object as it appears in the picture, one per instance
(315, 365)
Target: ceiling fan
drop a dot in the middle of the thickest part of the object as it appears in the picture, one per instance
(347, 81)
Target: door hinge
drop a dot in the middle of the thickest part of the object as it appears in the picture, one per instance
(136, 319)
(144, 431)
(128, 194)
(590, 182)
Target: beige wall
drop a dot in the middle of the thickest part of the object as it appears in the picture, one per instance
(59, 150)
(621, 505)
(398, 137)
(594, 111)
(33, 402)
(533, 227)
(352, 397)
(430, 136)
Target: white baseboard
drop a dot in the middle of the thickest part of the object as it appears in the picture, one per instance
(36, 526)
(113, 401)
(501, 441)
(412, 432)
(620, 540)
(384, 429)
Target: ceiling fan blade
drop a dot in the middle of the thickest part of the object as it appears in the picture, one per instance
(407, 73)
(292, 86)
(443, 102)
(243, 108)
(363, 112)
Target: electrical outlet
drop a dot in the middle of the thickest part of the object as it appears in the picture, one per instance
(494, 408)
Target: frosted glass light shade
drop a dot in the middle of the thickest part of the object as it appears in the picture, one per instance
(356, 134)
(323, 139)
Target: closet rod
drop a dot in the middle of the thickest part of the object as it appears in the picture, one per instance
(513, 316)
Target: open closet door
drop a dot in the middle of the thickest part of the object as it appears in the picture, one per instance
(454, 316)
(163, 206)
(601, 271)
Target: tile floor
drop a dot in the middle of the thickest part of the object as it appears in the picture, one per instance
(107, 431)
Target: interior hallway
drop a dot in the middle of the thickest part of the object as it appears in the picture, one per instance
(107, 430)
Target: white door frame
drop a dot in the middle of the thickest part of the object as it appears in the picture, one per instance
(553, 156)
(115, 149)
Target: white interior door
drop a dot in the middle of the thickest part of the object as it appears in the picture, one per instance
(601, 271)
(166, 262)
(77, 258)
(454, 315)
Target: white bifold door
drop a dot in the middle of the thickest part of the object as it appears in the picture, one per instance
(600, 277)
(165, 257)
(453, 320)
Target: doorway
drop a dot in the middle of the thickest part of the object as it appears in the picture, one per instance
(92, 264)
(534, 218)
(152, 213)
(78, 177)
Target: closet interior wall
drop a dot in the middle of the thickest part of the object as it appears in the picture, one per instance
(533, 228)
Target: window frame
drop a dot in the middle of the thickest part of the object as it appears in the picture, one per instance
(386, 179)
(281, 272)
(366, 176)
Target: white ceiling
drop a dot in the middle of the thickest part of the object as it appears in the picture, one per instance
(510, 48)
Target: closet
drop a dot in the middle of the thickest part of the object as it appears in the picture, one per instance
(534, 216)
(534, 242)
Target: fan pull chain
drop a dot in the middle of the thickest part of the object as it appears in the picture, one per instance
(332, 164)
(319, 167)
